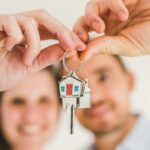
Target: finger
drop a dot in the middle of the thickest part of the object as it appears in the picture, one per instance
(81, 29)
(48, 56)
(118, 8)
(110, 45)
(54, 27)
(67, 39)
(32, 38)
(79, 45)
(12, 30)
(92, 18)
(73, 63)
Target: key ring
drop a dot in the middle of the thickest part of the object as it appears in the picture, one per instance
(66, 67)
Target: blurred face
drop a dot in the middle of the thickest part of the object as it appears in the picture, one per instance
(30, 112)
(110, 87)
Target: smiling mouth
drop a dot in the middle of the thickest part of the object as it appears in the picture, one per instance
(99, 111)
(30, 130)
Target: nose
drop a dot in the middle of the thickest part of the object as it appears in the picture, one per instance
(98, 94)
(31, 114)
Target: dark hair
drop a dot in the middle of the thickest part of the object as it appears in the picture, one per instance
(4, 145)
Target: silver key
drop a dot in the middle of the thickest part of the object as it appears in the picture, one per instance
(70, 115)
(74, 93)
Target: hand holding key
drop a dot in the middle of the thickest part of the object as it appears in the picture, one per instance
(20, 50)
(125, 23)
(74, 93)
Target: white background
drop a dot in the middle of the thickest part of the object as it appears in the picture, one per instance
(68, 11)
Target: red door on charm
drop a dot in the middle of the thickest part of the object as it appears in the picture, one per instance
(69, 89)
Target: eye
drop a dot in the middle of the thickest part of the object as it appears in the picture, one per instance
(44, 100)
(18, 101)
(104, 77)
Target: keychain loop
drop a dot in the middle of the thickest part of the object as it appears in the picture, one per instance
(66, 67)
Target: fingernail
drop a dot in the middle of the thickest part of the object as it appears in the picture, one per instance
(71, 47)
(123, 15)
(81, 47)
(96, 27)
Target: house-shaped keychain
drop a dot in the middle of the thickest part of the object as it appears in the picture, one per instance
(71, 87)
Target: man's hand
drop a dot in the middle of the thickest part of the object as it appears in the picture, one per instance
(20, 51)
(126, 25)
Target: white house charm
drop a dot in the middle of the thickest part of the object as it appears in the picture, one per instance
(74, 93)
(72, 87)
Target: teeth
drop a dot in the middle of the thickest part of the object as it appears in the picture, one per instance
(31, 129)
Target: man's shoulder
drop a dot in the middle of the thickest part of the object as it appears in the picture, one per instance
(139, 137)
(142, 127)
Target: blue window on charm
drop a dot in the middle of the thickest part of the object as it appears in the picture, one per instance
(62, 88)
(76, 88)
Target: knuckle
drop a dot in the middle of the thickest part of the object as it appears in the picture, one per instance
(62, 31)
(10, 18)
(16, 39)
(43, 12)
(29, 23)
(92, 3)
(88, 4)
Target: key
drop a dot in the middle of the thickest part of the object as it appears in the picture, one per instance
(74, 93)
(71, 88)
(70, 114)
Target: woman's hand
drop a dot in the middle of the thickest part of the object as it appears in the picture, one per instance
(20, 51)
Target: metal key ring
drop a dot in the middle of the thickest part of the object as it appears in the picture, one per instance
(66, 67)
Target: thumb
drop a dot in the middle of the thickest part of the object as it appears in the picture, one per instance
(118, 45)
(48, 56)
